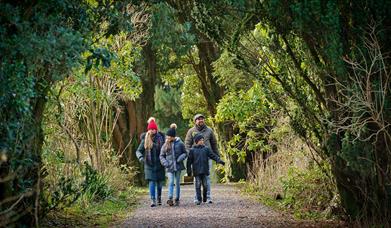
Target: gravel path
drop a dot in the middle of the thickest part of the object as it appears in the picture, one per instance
(229, 209)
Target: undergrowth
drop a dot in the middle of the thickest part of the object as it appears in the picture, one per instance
(109, 212)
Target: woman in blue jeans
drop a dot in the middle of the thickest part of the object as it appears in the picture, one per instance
(172, 154)
(148, 152)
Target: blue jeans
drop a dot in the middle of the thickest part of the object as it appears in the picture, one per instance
(152, 189)
(208, 193)
(200, 180)
(171, 176)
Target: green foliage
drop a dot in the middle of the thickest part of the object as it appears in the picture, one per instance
(193, 101)
(172, 40)
(228, 75)
(119, 59)
(316, 52)
(168, 100)
(95, 186)
(168, 109)
(59, 190)
(41, 44)
(110, 212)
(358, 155)
(250, 114)
(307, 192)
(63, 195)
(239, 106)
(290, 179)
(68, 185)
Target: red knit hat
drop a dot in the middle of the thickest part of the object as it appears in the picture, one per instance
(151, 124)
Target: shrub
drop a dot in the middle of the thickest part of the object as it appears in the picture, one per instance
(95, 186)
(308, 192)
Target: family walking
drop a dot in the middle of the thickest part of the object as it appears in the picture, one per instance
(161, 153)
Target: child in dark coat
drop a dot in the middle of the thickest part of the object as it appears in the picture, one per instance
(197, 164)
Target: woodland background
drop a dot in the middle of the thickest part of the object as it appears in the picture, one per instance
(298, 93)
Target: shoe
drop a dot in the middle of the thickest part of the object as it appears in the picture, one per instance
(159, 201)
(204, 200)
(210, 200)
(198, 202)
(176, 202)
(170, 202)
(153, 203)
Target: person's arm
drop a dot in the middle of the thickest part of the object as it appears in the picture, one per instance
(188, 141)
(162, 156)
(215, 157)
(213, 143)
(189, 162)
(140, 151)
(183, 154)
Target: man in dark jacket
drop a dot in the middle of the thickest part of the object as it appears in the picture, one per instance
(209, 140)
(198, 165)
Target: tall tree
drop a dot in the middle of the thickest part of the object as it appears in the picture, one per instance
(163, 42)
(206, 53)
(133, 118)
(338, 53)
(41, 42)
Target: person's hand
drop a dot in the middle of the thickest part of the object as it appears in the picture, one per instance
(222, 162)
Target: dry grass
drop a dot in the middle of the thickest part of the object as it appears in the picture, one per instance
(266, 174)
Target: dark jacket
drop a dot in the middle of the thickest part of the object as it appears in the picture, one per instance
(197, 163)
(209, 138)
(153, 170)
(173, 158)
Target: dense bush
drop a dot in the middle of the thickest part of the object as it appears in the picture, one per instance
(292, 178)
(308, 192)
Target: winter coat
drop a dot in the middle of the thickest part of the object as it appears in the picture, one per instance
(173, 158)
(153, 170)
(197, 163)
(209, 138)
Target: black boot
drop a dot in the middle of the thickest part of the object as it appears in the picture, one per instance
(176, 202)
(159, 200)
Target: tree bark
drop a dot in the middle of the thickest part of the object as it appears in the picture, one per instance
(132, 121)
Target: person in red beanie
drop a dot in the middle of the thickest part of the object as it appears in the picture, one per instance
(148, 152)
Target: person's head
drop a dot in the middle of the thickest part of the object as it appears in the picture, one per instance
(151, 131)
(199, 119)
(171, 133)
(199, 139)
(170, 136)
(152, 126)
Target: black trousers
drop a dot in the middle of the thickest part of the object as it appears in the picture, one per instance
(201, 180)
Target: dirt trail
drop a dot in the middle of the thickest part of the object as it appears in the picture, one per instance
(229, 209)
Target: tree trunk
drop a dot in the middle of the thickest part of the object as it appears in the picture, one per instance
(208, 52)
(19, 169)
(132, 121)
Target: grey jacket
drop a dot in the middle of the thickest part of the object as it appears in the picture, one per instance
(209, 138)
(173, 158)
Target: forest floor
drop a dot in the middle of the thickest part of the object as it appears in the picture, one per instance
(230, 208)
